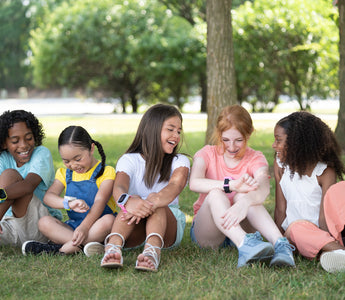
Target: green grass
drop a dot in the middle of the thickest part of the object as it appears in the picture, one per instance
(185, 273)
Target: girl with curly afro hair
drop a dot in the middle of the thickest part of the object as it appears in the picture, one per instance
(309, 209)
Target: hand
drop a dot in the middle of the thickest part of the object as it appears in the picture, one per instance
(138, 207)
(235, 214)
(244, 184)
(79, 235)
(130, 218)
(79, 206)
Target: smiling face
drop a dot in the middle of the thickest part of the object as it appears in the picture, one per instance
(76, 158)
(234, 143)
(20, 143)
(279, 142)
(171, 134)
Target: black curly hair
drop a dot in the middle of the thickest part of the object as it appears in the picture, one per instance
(9, 118)
(309, 141)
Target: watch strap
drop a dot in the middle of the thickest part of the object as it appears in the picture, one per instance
(226, 185)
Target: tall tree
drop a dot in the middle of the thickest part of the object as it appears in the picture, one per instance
(340, 129)
(221, 83)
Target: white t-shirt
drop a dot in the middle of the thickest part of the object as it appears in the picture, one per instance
(303, 195)
(133, 165)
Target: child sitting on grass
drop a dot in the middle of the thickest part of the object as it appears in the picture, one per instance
(88, 184)
(310, 207)
(26, 172)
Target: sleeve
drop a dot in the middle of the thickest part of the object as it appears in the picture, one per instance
(258, 161)
(109, 173)
(204, 153)
(41, 163)
(61, 176)
(180, 161)
(126, 164)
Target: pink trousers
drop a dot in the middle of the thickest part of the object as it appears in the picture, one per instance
(310, 239)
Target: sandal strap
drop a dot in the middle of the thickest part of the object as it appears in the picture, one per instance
(155, 234)
(150, 251)
(112, 249)
(112, 234)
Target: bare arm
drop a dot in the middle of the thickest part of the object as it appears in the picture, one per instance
(327, 178)
(101, 199)
(238, 212)
(200, 184)
(280, 207)
(23, 187)
(135, 205)
(175, 186)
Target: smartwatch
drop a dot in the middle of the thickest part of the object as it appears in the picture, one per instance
(66, 201)
(122, 201)
(226, 185)
(3, 195)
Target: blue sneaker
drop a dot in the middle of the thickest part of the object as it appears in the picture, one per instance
(283, 254)
(253, 249)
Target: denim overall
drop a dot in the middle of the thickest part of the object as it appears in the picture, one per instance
(85, 190)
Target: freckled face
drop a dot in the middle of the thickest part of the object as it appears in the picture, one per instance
(279, 142)
(171, 134)
(76, 158)
(20, 143)
(234, 143)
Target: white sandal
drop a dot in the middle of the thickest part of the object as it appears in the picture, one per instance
(112, 250)
(151, 252)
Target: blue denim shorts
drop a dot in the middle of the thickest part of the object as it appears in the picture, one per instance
(227, 242)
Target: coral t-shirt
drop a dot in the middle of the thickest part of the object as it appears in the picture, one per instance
(218, 170)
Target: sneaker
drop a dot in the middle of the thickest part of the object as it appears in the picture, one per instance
(333, 261)
(253, 249)
(35, 248)
(93, 248)
(283, 254)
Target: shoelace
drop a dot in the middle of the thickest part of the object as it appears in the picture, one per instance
(285, 245)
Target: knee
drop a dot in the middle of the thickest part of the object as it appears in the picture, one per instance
(215, 194)
(44, 222)
(9, 176)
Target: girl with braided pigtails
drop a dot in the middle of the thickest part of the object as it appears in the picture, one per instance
(88, 185)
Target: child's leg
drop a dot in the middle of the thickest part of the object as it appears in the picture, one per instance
(119, 230)
(207, 224)
(308, 238)
(19, 205)
(158, 234)
(58, 232)
(334, 209)
(262, 221)
(100, 229)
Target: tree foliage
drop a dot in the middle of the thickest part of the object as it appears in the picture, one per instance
(284, 47)
(123, 47)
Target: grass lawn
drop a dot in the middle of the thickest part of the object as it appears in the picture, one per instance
(185, 273)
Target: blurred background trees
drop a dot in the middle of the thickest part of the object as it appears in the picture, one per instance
(155, 51)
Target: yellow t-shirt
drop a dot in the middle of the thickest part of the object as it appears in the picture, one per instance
(109, 173)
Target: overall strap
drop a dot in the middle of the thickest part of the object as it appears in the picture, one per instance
(95, 172)
(68, 176)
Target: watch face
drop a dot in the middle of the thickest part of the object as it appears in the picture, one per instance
(2, 194)
(122, 198)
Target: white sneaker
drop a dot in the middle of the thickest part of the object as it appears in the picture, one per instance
(93, 248)
(333, 261)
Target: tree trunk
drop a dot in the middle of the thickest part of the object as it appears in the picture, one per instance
(203, 87)
(221, 84)
(340, 129)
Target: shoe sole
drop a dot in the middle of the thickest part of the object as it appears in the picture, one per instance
(281, 263)
(332, 262)
(265, 254)
(93, 248)
(24, 246)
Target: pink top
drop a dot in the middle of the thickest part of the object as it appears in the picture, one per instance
(217, 169)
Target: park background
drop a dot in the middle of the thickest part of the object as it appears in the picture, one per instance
(88, 62)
